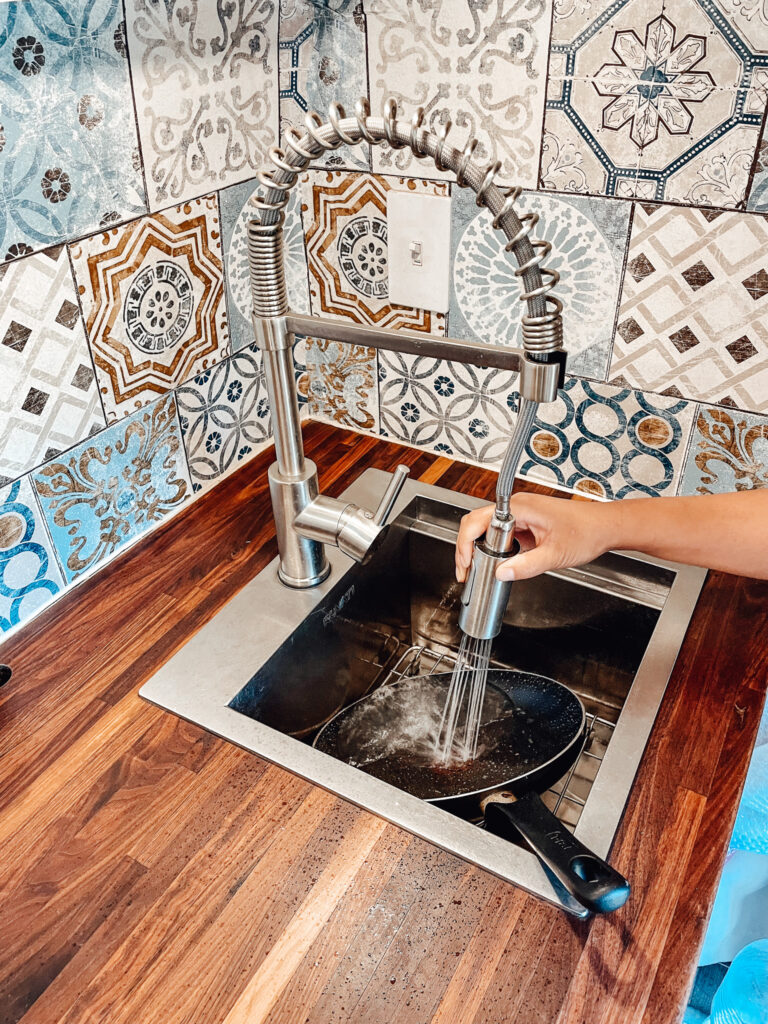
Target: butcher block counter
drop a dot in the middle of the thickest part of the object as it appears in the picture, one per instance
(154, 874)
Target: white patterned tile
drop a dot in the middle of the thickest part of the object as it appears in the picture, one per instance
(482, 65)
(224, 415)
(728, 452)
(694, 310)
(153, 298)
(48, 395)
(205, 85)
(340, 383)
(589, 240)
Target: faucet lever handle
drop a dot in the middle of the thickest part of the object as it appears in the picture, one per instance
(388, 499)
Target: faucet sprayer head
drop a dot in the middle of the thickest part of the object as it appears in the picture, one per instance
(484, 598)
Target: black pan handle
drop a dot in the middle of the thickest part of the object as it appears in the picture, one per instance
(595, 884)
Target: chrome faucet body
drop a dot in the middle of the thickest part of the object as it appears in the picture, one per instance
(305, 519)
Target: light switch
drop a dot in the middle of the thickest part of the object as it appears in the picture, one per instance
(419, 248)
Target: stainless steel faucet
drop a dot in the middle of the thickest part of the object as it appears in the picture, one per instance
(307, 520)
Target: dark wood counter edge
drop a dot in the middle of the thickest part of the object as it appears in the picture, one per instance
(154, 873)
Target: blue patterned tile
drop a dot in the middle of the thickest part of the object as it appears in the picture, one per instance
(322, 61)
(690, 137)
(29, 575)
(609, 442)
(109, 490)
(728, 452)
(757, 201)
(224, 416)
(589, 240)
(236, 212)
(69, 159)
(339, 383)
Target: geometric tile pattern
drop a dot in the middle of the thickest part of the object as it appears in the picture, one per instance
(589, 240)
(114, 487)
(339, 384)
(236, 212)
(224, 415)
(205, 85)
(696, 323)
(483, 65)
(322, 60)
(609, 442)
(450, 408)
(728, 452)
(345, 222)
(69, 158)
(655, 101)
(153, 298)
(48, 395)
(29, 574)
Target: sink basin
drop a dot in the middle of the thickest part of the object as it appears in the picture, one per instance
(275, 664)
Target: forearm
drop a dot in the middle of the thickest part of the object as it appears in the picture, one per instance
(728, 532)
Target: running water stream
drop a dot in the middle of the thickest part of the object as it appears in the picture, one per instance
(460, 723)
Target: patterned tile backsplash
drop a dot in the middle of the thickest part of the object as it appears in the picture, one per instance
(107, 491)
(69, 155)
(153, 298)
(129, 379)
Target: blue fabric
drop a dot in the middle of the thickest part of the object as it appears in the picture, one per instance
(743, 996)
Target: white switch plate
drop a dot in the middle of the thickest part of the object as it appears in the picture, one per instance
(419, 231)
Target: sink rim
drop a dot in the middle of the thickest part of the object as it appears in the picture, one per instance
(198, 682)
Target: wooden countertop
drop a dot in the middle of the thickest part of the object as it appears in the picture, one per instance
(153, 874)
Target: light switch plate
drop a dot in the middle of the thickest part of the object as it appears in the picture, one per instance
(419, 247)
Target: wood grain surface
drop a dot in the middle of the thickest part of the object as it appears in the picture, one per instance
(154, 874)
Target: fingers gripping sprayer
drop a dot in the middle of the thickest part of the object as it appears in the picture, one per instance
(484, 599)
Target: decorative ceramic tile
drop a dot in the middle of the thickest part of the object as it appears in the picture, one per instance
(589, 240)
(153, 298)
(690, 135)
(694, 310)
(728, 452)
(483, 65)
(322, 61)
(48, 395)
(609, 442)
(205, 84)
(450, 408)
(340, 384)
(68, 149)
(345, 220)
(236, 212)
(758, 192)
(111, 489)
(29, 574)
(224, 416)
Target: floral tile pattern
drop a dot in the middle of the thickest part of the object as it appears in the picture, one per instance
(111, 489)
(457, 410)
(68, 148)
(345, 221)
(48, 395)
(658, 103)
(728, 452)
(236, 212)
(224, 416)
(29, 574)
(323, 61)
(340, 384)
(153, 298)
(589, 240)
(483, 65)
(205, 84)
(693, 320)
(609, 442)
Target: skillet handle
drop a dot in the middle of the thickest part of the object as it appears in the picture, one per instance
(595, 884)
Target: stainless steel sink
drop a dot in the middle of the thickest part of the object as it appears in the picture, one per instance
(270, 669)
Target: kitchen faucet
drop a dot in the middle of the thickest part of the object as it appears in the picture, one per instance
(307, 520)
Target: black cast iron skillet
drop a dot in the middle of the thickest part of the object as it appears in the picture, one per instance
(532, 731)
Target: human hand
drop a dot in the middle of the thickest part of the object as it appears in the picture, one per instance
(553, 533)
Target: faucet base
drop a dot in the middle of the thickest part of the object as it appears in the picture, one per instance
(303, 562)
